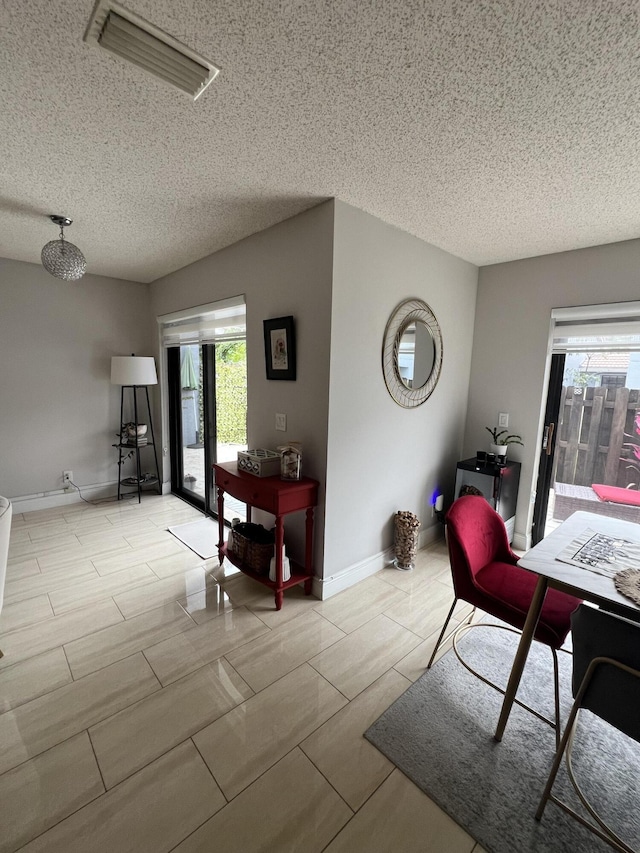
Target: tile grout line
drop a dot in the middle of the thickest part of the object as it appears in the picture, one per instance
(43, 752)
(226, 799)
(328, 781)
(324, 678)
(124, 618)
(95, 755)
(410, 630)
(66, 657)
(270, 629)
(75, 811)
(69, 684)
(162, 686)
(160, 755)
(356, 811)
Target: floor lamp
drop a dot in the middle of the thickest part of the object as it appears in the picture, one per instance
(134, 372)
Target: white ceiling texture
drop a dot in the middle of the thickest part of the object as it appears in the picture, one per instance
(495, 129)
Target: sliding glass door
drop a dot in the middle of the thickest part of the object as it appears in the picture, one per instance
(208, 415)
(590, 459)
(207, 376)
(192, 420)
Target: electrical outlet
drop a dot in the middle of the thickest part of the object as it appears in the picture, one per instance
(281, 422)
(67, 477)
(503, 420)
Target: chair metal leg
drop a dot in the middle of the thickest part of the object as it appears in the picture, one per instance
(602, 831)
(462, 629)
(444, 628)
(600, 828)
(556, 693)
(557, 761)
(466, 625)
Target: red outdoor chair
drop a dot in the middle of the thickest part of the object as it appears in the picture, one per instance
(485, 575)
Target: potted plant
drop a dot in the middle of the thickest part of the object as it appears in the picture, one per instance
(501, 440)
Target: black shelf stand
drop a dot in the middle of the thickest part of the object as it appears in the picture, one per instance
(498, 483)
(136, 446)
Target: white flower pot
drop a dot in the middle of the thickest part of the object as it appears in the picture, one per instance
(499, 449)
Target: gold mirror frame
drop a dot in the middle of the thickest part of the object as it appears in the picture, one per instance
(407, 312)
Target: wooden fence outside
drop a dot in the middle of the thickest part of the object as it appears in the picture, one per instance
(590, 445)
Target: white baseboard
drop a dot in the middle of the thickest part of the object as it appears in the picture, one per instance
(62, 497)
(521, 541)
(427, 535)
(324, 588)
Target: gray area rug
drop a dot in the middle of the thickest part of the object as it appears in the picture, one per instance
(440, 734)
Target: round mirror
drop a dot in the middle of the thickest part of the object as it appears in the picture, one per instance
(416, 354)
(412, 353)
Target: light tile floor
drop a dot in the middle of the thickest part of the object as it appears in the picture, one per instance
(151, 701)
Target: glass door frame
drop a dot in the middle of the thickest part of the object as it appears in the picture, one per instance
(205, 503)
(547, 451)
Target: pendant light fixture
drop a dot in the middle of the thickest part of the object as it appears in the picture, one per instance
(61, 258)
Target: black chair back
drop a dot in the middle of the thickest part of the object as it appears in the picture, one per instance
(612, 693)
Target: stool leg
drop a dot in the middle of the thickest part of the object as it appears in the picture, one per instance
(444, 628)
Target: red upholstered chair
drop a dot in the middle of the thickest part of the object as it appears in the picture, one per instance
(485, 575)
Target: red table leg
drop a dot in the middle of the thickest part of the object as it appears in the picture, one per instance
(279, 498)
(279, 546)
(308, 552)
(220, 523)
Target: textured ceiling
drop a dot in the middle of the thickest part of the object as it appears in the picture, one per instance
(496, 129)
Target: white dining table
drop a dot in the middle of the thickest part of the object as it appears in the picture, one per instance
(580, 581)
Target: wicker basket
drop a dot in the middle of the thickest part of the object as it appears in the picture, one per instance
(253, 546)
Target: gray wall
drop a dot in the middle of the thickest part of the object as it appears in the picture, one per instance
(383, 458)
(341, 278)
(285, 270)
(510, 348)
(58, 409)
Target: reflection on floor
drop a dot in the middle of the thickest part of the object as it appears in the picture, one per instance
(151, 701)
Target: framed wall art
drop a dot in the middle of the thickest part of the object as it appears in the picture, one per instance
(280, 348)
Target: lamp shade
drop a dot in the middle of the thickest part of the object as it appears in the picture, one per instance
(133, 370)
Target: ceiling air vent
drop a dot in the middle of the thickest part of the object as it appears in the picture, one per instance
(134, 39)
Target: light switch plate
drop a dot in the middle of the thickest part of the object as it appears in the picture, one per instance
(281, 422)
(503, 420)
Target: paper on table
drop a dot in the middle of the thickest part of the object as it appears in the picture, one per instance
(602, 554)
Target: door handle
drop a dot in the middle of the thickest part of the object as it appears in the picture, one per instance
(547, 440)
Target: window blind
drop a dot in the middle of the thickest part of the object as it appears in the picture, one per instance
(582, 330)
(225, 320)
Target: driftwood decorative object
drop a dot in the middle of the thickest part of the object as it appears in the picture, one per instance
(406, 527)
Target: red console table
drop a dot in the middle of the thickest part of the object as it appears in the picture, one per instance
(279, 497)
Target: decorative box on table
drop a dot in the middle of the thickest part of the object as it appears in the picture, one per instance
(260, 462)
